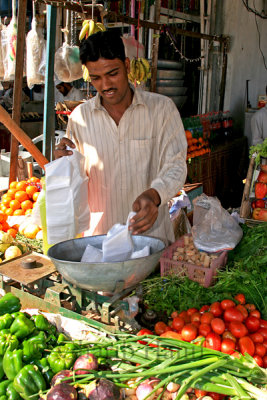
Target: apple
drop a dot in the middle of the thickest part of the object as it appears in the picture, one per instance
(258, 204)
(262, 177)
(260, 214)
(260, 190)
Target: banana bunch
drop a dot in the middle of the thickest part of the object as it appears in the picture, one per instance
(139, 70)
(89, 27)
(86, 76)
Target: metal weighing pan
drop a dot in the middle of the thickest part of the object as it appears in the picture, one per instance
(106, 277)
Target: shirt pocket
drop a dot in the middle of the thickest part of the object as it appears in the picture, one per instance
(141, 153)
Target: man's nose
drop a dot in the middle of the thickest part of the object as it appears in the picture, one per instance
(106, 83)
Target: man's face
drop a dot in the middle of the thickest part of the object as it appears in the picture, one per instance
(110, 79)
(62, 89)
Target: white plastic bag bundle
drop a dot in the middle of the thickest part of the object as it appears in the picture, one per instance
(35, 47)
(68, 66)
(9, 44)
(2, 70)
(214, 229)
(67, 206)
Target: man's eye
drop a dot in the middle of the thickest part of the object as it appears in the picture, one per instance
(94, 78)
(113, 73)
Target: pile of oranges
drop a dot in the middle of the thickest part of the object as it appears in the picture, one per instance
(21, 197)
(4, 226)
(196, 146)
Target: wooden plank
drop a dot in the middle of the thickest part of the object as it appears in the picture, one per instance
(49, 95)
(17, 92)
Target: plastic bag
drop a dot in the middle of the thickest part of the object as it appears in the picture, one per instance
(213, 227)
(66, 198)
(68, 67)
(131, 45)
(118, 244)
(35, 47)
(2, 70)
(9, 44)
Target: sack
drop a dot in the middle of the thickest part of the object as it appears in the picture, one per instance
(118, 244)
(66, 198)
(2, 71)
(9, 44)
(35, 47)
(214, 229)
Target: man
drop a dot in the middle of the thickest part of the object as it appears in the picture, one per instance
(259, 125)
(65, 91)
(133, 141)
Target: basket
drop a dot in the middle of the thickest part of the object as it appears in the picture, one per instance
(197, 273)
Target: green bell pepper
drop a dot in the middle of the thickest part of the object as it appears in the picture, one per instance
(3, 387)
(43, 324)
(9, 304)
(62, 338)
(29, 382)
(12, 363)
(11, 392)
(3, 398)
(6, 321)
(45, 369)
(33, 347)
(1, 368)
(22, 327)
(62, 357)
(8, 342)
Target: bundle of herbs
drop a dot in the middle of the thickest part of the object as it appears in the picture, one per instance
(245, 273)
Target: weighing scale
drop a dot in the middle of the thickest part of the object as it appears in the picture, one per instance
(60, 283)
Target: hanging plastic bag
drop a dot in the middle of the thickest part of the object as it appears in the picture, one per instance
(66, 198)
(9, 44)
(68, 67)
(35, 47)
(131, 46)
(2, 70)
(214, 229)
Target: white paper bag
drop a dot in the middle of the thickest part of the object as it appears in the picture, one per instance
(67, 206)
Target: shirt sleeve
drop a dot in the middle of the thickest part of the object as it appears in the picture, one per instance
(256, 129)
(172, 150)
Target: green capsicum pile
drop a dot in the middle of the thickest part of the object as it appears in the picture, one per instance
(31, 352)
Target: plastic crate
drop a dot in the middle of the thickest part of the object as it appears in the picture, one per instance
(203, 275)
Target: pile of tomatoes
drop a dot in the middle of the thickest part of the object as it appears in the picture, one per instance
(228, 326)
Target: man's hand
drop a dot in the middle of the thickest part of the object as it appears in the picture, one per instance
(61, 150)
(146, 207)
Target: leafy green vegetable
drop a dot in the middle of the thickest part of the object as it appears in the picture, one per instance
(29, 244)
(260, 149)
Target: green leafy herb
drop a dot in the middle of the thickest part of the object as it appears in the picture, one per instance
(261, 151)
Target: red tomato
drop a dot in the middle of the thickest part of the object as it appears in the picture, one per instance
(260, 349)
(227, 346)
(191, 311)
(252, 323)
(216, 309)
(216, 396)
(263, 332)
(204, 309)
(199, 340)
(227, 304)
(218, 325)
(265, 343)
(246, 345)
(178, 323)
(185, 316)
(200, 393)
(243, 310)
(196, 323)
(195, 317)
(263, 323)
(250, 307)
(206, 318)
(160, 327)
(144, 332)
(256, 337)
(255, 313)
(232, 314)
(174, 314)
(172, 335)
(238, 329)
(228, 335)
(189, 332)
(204, 329)
(213, 341)
(258, 360)
(265, 361)
(240, 297)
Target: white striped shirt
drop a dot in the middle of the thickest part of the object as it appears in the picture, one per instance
(146, 150)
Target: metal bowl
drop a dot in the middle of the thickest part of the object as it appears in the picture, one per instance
(107, 277)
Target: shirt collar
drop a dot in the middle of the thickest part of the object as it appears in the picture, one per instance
(138, 98)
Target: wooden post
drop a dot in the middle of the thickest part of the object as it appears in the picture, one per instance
(49, 96)
(155, 48)
(17, 91)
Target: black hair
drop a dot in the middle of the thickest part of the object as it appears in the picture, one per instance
(106, 44)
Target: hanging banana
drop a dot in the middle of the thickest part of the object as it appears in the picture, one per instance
(139, 70)
(89, 27)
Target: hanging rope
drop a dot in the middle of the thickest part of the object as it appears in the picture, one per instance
(183, 57)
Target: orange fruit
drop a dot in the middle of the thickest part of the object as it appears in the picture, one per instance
(13, 232)
(1, 227)
(30, 190)
(5, 226)
(3, 207)
(14, 204)
(34, 179)
(21, 196)
(6, 200)
(3, 217)
(15, 226)
(35, 196)
(11, 193)
(9, 212)
(21, 185)
(28, 211)
(19, 212)
(26, 205)
(30, 231)
(13, 185)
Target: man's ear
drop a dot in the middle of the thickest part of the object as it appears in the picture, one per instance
(127, 64)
